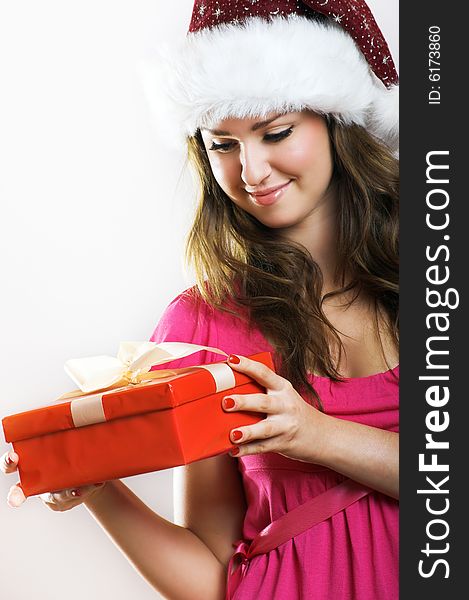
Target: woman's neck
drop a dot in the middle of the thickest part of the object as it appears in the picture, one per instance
(317, 233)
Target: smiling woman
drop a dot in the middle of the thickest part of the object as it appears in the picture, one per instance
(295, 248)
(339, 204)
(284, 163)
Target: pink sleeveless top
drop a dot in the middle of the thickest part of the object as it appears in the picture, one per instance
(350, 556)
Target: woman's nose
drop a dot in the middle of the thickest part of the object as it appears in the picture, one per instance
(255, 165)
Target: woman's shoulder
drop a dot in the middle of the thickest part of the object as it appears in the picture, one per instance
(189, 318)
(188, 311)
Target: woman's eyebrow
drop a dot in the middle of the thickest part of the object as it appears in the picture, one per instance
(261, 124)
(255, 127)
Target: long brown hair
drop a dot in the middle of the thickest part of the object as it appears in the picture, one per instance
(276, 284)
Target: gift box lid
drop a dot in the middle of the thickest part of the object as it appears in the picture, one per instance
(184, 385)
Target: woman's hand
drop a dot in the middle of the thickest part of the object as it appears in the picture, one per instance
(292, 426)
(9, 464)
(295, 429)
(57, 501)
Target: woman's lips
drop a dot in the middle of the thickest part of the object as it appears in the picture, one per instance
(269, 196)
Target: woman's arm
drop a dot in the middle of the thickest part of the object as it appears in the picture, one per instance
(366, 454)
(216, 518)
(297, 430)
(178, 562)
(169, 557)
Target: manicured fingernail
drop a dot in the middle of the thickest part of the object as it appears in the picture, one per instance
(232, 358)
(236, 435)
(75, 493)
(235, 451)
(11, 458)
(228, 403)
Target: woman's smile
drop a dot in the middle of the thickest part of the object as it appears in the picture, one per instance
(268, 196)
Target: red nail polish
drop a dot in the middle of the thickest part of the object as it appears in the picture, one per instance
(234, 359)
(228, 403)
(236, 435)
(75, 493)
(235, 451)
(9, 460)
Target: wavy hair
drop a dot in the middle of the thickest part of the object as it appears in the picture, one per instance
(243, 267)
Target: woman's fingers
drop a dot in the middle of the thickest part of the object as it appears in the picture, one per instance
(15, 497)
(61, 496)
(250, 402)
(256, 447)
(64, 500)
(258, 371)
(58, 501)
(266, 429)
(9, 462)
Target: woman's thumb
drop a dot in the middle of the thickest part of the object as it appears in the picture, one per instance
(15, 496)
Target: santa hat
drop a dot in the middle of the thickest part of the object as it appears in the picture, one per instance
(248, 58)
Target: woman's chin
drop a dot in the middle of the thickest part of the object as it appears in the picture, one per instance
(278, 221)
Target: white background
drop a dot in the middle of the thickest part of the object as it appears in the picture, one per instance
(94, 209)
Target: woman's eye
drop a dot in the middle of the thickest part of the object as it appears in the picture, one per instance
(277, 137)
(225, 147)
(268, 137)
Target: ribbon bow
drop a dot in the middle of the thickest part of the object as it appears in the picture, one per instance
(132, 364)
(237, 567)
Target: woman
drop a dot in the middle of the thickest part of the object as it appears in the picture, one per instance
(295, 247)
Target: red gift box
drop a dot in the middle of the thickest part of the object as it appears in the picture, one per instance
(146, 427)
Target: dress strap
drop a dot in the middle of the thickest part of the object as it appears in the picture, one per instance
(291, 524)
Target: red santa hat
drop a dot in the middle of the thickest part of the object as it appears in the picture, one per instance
(248, 58)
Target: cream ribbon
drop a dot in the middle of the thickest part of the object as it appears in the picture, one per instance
(132, 365)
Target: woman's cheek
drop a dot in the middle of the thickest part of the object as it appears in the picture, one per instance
(226, 175)
(215, 166)
(311, 159)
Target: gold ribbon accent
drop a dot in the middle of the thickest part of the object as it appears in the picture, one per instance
(98, 375)
(131, 366)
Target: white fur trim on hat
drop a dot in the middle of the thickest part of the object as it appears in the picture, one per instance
(259, 67)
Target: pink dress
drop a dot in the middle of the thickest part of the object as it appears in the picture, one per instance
(350, 556)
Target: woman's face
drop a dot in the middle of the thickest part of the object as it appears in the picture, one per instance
(277, 169)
